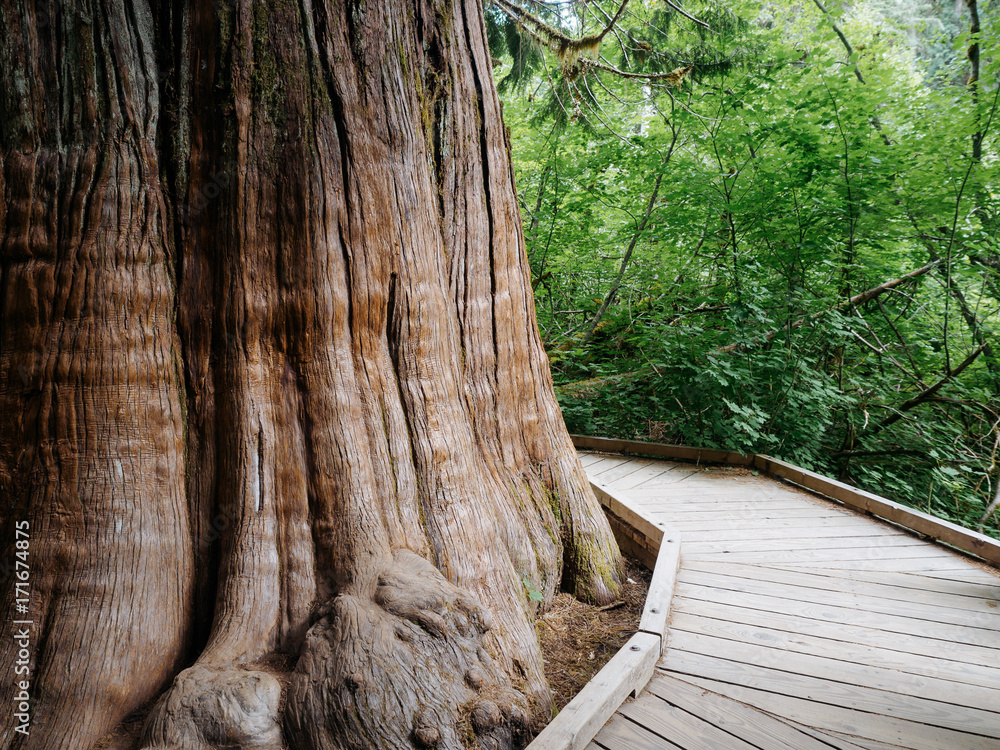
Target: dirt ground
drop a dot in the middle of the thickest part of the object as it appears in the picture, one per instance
(578, 638)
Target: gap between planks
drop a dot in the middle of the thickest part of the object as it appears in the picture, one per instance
(890, 652)
(804, 589)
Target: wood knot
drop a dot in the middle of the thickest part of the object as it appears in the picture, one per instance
(516, 714)
(485, 618)
(486, 715)
(427, 736)
(475, 678)
(425, 730)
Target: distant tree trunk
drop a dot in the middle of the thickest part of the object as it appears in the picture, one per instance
(271, 382)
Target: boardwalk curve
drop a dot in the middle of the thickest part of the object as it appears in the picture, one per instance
(799, 624)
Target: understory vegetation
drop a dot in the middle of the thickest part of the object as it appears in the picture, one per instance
(769, 227)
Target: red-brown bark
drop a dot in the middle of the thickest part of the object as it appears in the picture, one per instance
(271, 380)
(91, 434)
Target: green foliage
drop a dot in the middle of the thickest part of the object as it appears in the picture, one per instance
(533, 594)
(694, 247)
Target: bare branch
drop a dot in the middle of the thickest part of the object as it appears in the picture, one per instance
(855, 301)
(926, 394)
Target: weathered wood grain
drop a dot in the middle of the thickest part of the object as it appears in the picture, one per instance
(914, 735)
(893, 653)
(797, 622)
(661, 587)
(627, 672)
(965, 539)
(758, 728)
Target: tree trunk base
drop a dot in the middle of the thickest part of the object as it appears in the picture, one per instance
(404, 668)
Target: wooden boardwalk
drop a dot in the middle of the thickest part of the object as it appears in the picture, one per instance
(797, 624)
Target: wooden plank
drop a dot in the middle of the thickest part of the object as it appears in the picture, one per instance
(845, 616)
(587, 458)
(866, 743)
(768, 521)
(791, 616)
(662, 469)
(684, 729)
(661, 588)
(841, 743)
(631, 542)
(751, 725)
(742, 508)
(831, 693)
(851, 584)
(720, 488)
(724, 485)
(972, 572)
(720, 550)
(626, 483)
(636, 467)
(624, 468)
(623, 734)
(970, 541)
(685, 480)
(647, 525)
(864, 636)
(903, 732)
(793, 532)
(728, 490)
(918, 563)
(832, 668)
(845, 742)
(922, 557)
(664, 479)
(605, 462)
(792, 516)
(987, 590)
(765, 509)
(661, 450)
(804, 589)
(627, 672)
(898, 658)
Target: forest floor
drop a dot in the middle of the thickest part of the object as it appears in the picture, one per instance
(578, 638)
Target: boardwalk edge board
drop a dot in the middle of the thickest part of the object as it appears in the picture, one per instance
(914, 520)
(629, 671)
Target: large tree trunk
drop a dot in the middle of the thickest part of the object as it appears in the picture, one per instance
(271, 383)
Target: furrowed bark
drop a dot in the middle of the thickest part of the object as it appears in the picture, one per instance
(91, 451)
(351, 434)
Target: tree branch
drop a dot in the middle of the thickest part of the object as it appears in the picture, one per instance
(610, 296)
(855, 301)
(843, 39)
(584, 387)
(967, 313)
(926, 394)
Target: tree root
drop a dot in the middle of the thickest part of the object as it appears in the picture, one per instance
(217, 708)
(403, 669)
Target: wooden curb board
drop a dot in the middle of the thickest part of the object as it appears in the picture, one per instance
(630, 670)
